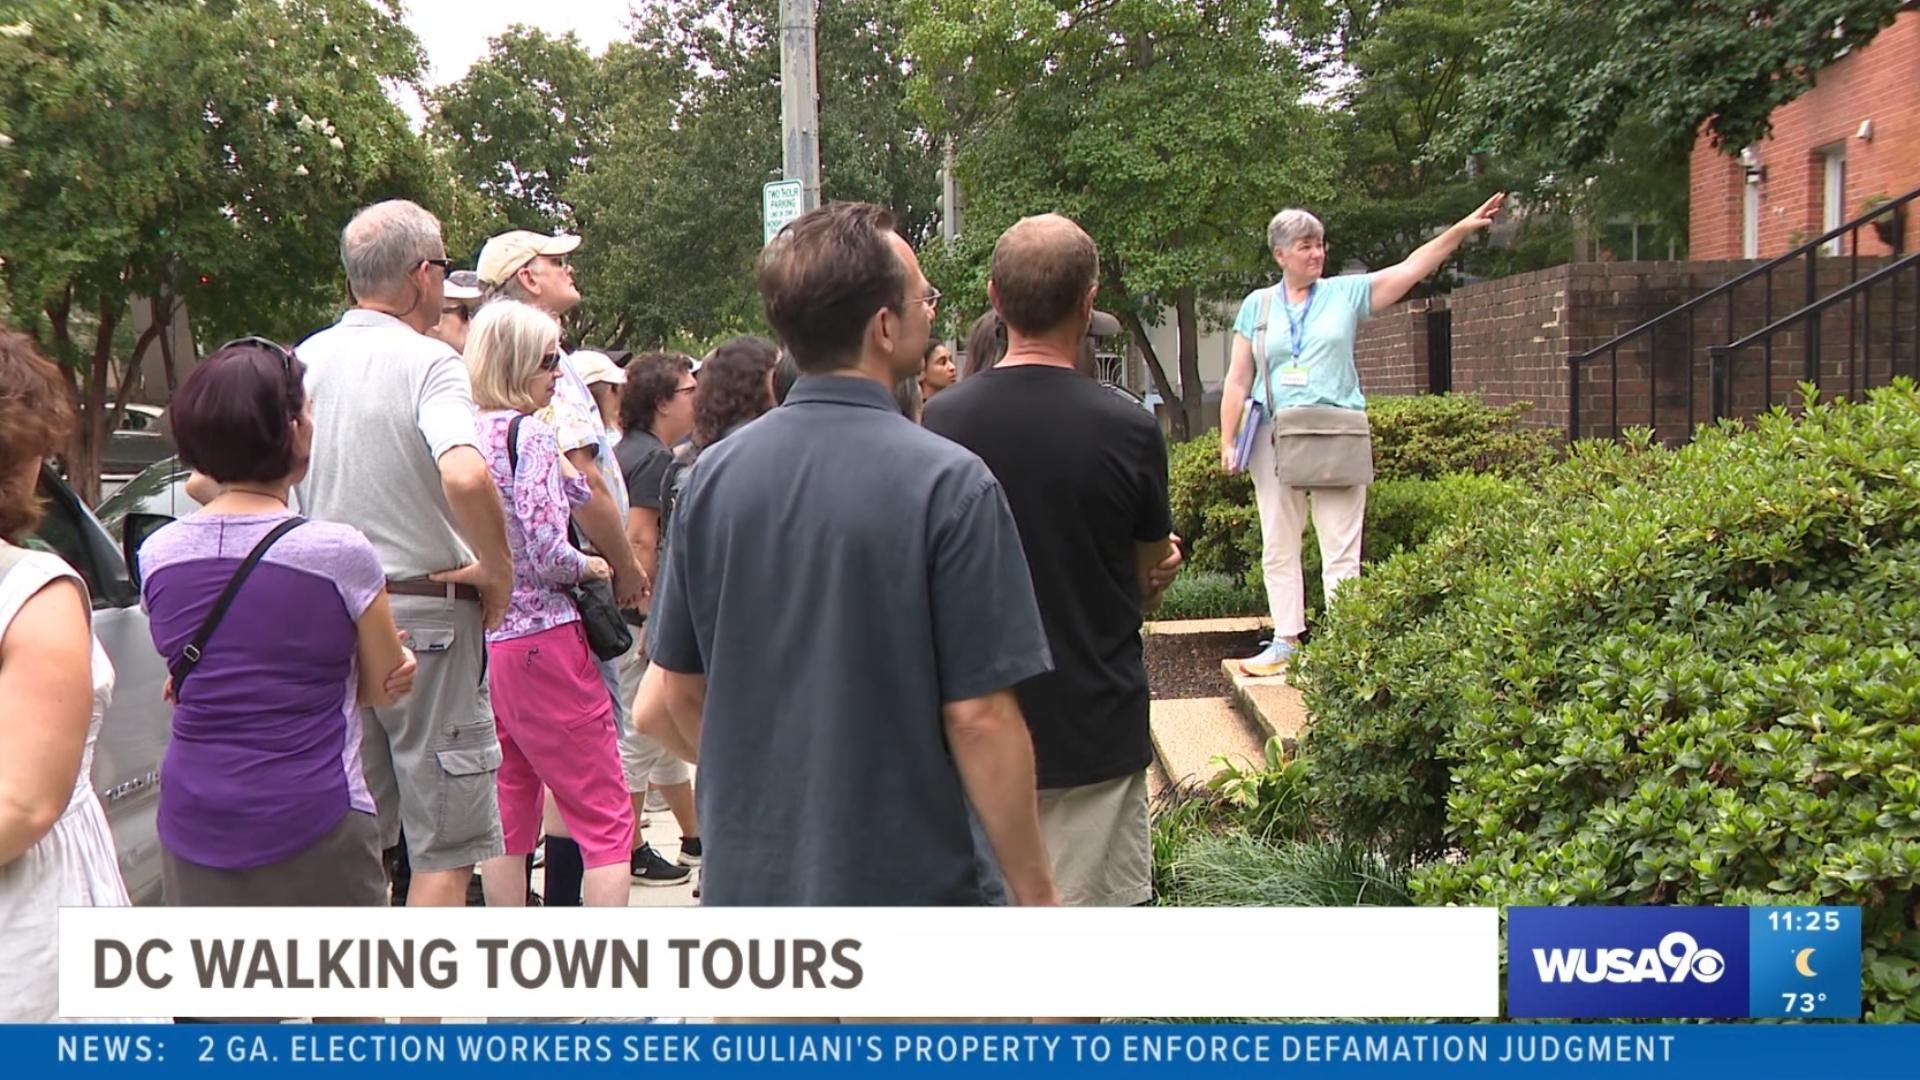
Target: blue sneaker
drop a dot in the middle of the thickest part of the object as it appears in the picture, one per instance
(1272, 660)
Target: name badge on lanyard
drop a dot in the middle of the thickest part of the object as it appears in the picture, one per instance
(1295, 372)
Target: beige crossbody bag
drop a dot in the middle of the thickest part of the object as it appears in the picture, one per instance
(1314, 446)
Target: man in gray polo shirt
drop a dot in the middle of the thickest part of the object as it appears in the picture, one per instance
(843, 614)
(394, 456)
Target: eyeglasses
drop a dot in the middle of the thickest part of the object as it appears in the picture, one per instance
(550, 362)
(932, 299)
(445, 265)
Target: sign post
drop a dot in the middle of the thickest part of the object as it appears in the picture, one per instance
(780, 202)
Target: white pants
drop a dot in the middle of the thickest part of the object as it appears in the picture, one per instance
(1338, 515)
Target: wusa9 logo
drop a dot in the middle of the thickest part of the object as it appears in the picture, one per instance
(1595, 963)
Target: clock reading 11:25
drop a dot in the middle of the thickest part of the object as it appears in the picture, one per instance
(1808, 921)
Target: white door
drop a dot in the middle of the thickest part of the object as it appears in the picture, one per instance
(1833, 205)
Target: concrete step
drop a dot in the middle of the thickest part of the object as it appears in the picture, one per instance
(1207, 626)
(1274, 706)
(1189, 732)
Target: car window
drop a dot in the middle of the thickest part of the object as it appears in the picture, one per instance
(59, 532)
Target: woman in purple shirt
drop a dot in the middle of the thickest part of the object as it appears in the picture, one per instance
(262, 800)
(553, 713)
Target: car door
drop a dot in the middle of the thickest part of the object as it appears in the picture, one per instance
(134, 733)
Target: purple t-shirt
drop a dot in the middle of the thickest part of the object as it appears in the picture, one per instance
(265, 757)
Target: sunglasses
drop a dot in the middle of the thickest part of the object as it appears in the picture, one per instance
(550, 362)
(274, 347)
(445, 265)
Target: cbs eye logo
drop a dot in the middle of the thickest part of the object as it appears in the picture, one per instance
(1684, 955)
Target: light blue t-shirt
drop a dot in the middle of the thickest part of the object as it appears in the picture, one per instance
(1326, 325)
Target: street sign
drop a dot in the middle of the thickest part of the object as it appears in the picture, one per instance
(779, 204)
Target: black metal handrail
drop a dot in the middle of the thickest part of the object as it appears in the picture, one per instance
(1720, 357)
(1808, 251)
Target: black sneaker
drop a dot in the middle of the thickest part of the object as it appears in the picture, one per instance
(689, 851)
(649, 868)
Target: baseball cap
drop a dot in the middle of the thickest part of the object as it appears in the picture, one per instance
(593, 367)
(507, 253)
(463, 285)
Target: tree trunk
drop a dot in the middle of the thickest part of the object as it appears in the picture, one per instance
(1193, 392)
(84, 476)
(1163, 385)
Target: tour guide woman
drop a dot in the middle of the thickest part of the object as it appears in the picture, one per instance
(1313, 422)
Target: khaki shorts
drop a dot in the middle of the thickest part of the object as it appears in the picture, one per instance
(430, 760)
(1099, 836)
(642, 757)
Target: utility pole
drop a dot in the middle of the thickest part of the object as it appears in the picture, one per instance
(799, 101)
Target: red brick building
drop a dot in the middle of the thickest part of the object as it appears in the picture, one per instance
(1854, 136)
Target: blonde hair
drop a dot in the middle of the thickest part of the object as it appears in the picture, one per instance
(505, 345)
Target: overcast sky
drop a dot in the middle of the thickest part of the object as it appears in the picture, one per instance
(455, 32)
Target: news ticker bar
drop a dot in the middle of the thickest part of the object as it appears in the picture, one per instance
(779, 962)
(693, 1051)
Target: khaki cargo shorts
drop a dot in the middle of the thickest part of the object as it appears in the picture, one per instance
(642, 757)
(1099, 837)
(430, 760)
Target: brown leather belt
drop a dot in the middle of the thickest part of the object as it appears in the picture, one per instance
(423, 587)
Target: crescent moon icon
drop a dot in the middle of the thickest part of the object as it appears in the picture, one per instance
(1800, 963)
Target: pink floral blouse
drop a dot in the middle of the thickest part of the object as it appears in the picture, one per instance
(539, 498)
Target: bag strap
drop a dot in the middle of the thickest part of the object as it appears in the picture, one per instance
(190, 656)
(513, 444)
(513, 464)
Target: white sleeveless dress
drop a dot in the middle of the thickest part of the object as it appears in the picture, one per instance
(74, 864)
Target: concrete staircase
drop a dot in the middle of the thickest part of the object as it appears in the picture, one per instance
(1189, 732)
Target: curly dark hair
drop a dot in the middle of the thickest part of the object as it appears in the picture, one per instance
(36, 415)
(652, 378)
(733, 388)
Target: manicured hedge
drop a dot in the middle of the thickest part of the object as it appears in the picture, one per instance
(1654, 677)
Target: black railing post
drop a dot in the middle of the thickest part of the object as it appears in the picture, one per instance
(1573, 400)
(1811, 369)
(1716, 381)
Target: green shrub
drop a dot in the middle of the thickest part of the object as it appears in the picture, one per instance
(1681, 677)
(1435, 434)
(1204, 594)
(1417, 442)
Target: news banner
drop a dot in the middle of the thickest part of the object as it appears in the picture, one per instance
(1754, 992)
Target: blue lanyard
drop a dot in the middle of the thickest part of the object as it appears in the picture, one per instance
(1297, 329)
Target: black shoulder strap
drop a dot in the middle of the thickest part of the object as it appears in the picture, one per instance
(513, 444)
(190, 656)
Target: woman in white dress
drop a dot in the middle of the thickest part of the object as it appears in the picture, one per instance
(55, 681)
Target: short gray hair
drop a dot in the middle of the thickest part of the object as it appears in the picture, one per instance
(384, 243)
(510, 289)
(1290, 225)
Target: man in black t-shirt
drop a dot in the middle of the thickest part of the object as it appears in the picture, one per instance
(656, 411)
(1086, 475)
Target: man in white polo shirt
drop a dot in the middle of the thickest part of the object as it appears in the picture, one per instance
(394, 456)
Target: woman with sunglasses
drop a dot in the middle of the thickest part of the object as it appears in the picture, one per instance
(553, 714)
(265, 803)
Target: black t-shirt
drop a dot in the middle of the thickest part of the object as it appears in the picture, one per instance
(643, 461)
(1086, 475)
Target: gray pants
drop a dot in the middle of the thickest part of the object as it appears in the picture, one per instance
(430, 760)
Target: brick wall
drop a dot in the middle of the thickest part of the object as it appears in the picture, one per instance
(1390, 352)
(1512, 338)
(1879, 82)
